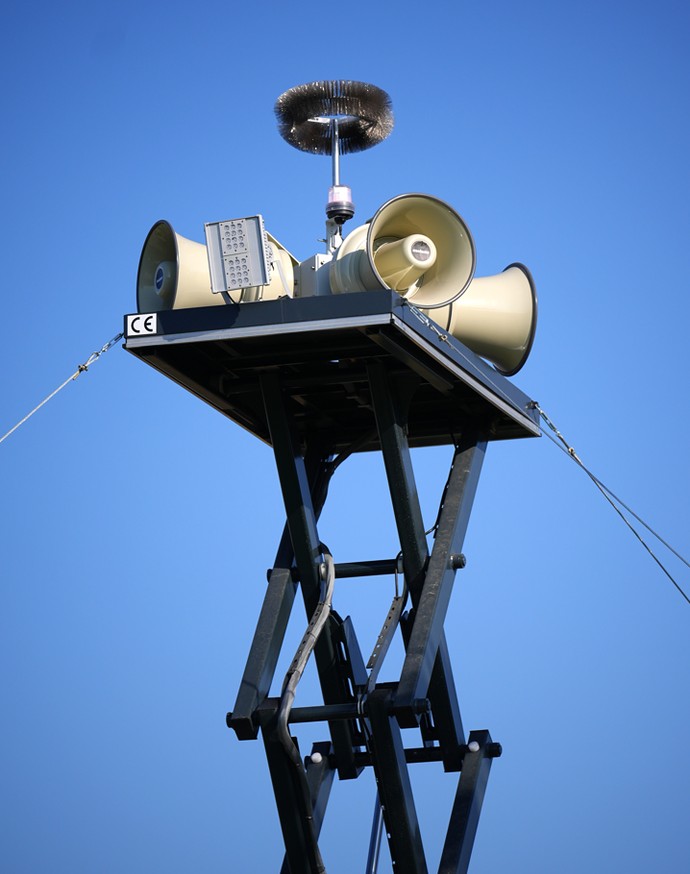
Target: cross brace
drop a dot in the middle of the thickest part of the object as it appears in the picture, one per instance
(365, 718)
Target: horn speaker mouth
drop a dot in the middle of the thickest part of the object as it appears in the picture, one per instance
(533, 323)
(420, 215)
(158, 273)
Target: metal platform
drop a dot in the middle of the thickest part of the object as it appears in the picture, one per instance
(321, 348)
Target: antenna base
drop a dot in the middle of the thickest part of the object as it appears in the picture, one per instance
(340, 207)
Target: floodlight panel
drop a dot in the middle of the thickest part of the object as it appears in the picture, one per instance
(237, 254)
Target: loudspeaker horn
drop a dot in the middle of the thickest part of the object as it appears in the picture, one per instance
(174, 274)
(416, 245)
(496, 317)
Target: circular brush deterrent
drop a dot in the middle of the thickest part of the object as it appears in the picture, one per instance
(306, 113)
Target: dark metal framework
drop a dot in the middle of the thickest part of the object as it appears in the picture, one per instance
(319, 379)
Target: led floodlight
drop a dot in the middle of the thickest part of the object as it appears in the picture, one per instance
(237, 254)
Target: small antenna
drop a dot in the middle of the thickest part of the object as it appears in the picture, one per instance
(334, 118)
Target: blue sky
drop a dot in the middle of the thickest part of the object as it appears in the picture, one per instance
(137, 523)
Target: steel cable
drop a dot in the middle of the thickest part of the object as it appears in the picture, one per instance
(560, 441)
(82, 368)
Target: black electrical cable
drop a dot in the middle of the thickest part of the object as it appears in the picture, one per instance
(292, 678)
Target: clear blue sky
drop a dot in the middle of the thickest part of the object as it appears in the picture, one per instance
(137, 523)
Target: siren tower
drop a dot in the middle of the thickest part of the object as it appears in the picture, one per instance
(384, 342)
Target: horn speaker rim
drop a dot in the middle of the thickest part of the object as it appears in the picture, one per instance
(533, 324)
(373, 231)
(161, 224)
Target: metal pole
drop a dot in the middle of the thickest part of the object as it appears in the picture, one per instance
(375, 841)
(336, 152)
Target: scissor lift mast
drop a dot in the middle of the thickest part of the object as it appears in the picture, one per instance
(319, 378)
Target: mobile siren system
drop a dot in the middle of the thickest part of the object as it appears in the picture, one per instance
(415, 245)
(376, 344)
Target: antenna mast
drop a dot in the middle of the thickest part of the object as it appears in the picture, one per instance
(334, 118)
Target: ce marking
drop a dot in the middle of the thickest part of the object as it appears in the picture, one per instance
(145, 323)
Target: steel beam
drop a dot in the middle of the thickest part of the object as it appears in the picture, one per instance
(354, 569)
(273, 618)
(432, 604)
(467, 806)
(294, 805)
(302, 792)
(320, 780)
(395, 791)
(390, 421)
(301, 520)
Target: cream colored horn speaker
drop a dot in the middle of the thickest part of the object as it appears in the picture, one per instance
(496, 317)
(174, 274)
(416, 245)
